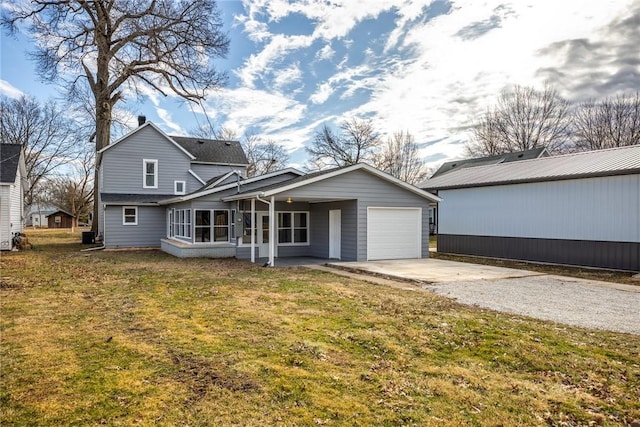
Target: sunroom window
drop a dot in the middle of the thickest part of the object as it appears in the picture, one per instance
(212, 225)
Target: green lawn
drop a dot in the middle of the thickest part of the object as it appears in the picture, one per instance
(122, 338)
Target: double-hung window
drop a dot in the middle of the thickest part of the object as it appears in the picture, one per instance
(212, 226)
(149, 173)
(129, 215)
(293, 228)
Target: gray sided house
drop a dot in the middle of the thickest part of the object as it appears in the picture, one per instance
(351, 213)
(579, 209)
(13, 176)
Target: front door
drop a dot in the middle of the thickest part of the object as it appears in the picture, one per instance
(263, 234)
(335, 232)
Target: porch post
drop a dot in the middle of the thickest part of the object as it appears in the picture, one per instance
(254, 230)
(272, 231)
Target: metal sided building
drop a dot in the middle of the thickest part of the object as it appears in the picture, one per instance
(577, 209)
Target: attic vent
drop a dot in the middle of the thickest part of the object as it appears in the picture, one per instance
(200, 142)
(227, 143)
(520, 155)
(454, 165)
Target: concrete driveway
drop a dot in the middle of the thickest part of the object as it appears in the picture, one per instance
(435, 270)
(573, 301)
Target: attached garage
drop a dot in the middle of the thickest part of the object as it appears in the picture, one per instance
(394, 233)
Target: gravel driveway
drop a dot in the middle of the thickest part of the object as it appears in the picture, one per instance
(561, 299)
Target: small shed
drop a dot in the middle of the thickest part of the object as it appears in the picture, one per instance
(61, 219)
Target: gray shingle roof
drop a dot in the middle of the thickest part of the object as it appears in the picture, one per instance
(489, 160)
(614, 161)
(213, 150)
(9, 161)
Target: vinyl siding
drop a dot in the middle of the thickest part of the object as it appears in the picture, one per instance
(370, 191)
(348, 229)
(122, 164)
(11, 211)
(150, 230)
(5, 218)
(590, 209)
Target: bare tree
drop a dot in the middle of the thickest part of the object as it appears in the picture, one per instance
(400, 158)
(49, 139)
(115, 45)
(357, 142)
(72, 192)
(264, 156)
(524, 118)
(612, 122)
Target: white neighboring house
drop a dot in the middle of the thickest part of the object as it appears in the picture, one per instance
(37, 215)
(578, 209)
(13, 175)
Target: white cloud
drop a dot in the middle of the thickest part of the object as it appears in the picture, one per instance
(9, 90)
(277, 48)
(325, 53)
(287, 76)
(266, 113)
(168, 122)
(321, 94)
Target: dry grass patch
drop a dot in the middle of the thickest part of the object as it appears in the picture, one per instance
(123, 338)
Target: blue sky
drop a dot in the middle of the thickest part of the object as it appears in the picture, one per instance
(428, 67)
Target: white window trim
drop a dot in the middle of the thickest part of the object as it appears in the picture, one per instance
(144, 173)
(175, 187)
(308, 227)
(186, 225)
(124, 208)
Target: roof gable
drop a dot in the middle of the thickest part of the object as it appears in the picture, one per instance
(10, 155)
(613, 161)
(145, 126)
(311, 178)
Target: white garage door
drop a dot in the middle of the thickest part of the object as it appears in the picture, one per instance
(394, 233)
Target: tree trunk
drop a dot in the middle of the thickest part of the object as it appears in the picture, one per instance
(104, 103)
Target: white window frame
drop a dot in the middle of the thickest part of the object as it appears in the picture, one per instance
(182, 223)
(175, 187)
(245, 239)
(293, 228)
(144, 173)
(124, 216)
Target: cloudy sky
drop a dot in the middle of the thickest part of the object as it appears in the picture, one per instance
(428, 67)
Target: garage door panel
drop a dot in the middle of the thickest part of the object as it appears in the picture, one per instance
(394, 233)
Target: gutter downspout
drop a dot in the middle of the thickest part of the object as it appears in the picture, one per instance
(271, 205)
